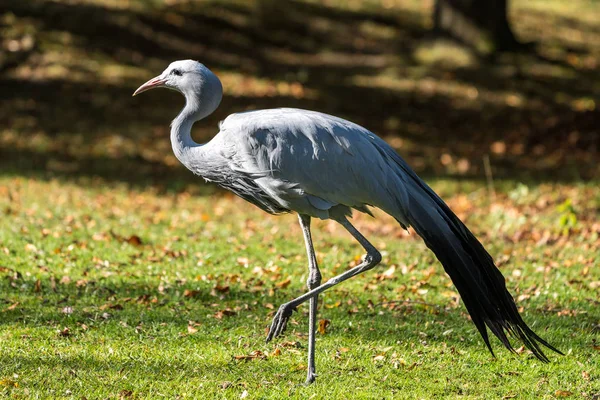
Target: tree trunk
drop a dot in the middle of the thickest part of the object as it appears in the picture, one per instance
(482, 24)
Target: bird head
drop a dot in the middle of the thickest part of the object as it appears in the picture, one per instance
(185, 76)
(201, 88)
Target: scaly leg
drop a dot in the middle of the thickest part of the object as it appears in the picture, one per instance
(372, 258)
(313, 281)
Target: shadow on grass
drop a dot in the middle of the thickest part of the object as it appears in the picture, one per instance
(156, 313)
(361, 65)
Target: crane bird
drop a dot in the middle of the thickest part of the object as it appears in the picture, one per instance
(321, 166)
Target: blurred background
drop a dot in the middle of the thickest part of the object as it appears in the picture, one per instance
(451, 84)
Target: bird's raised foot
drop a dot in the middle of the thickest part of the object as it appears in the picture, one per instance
(280, 321)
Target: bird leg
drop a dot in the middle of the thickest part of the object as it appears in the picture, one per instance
(371, 259)
(313, 281)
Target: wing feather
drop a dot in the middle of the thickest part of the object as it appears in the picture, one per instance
(294, 153)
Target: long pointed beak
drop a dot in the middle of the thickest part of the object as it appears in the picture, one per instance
(151, 84)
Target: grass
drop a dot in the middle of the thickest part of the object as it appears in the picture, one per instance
(123, 276)
(114, 292)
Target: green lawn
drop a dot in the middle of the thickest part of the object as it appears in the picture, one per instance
(126, 277)
(114, 292)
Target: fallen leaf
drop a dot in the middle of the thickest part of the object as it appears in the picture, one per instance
(134, 240)
(190, 293)
(323, 324)
(81, 283)
(191, 329)
(66, 332)
(67, 310)
(8, 382)
(290, 344)
(334, 305)
(224, 313)
(256, 354)
(225, 385)
(38, 286)
(13, 306)
(30, 247)
(389, 273)
(221, 289)
(562, 393)
(283, 284)
(585, 375)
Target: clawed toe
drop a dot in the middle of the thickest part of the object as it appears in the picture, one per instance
(280, 321)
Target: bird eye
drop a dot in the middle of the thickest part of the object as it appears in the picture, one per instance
(176, 72)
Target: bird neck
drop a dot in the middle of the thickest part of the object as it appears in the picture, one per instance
(197, 107)
(181, 133)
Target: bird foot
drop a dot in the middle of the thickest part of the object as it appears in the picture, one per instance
(310, 378)
(280, 321)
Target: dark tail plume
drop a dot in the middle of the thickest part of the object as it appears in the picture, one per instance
(472, 270)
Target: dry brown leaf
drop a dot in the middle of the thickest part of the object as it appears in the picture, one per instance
(81, 283)
(190, 293)
(334, 305)
(13, 306)
(389, 273)
(8, 382)
(562, 393)
(30, 247)
(256, 354)
(66, 332)
(224, 313)
(38, 286)
(111, 306)
(221, 289)
(134, 240)
(191, 329)
(323, 325)
(585, 375)
(283, 284)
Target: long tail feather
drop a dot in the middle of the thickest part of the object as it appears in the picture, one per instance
(471, 268)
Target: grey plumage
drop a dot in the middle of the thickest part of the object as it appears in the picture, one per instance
(318, 165)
